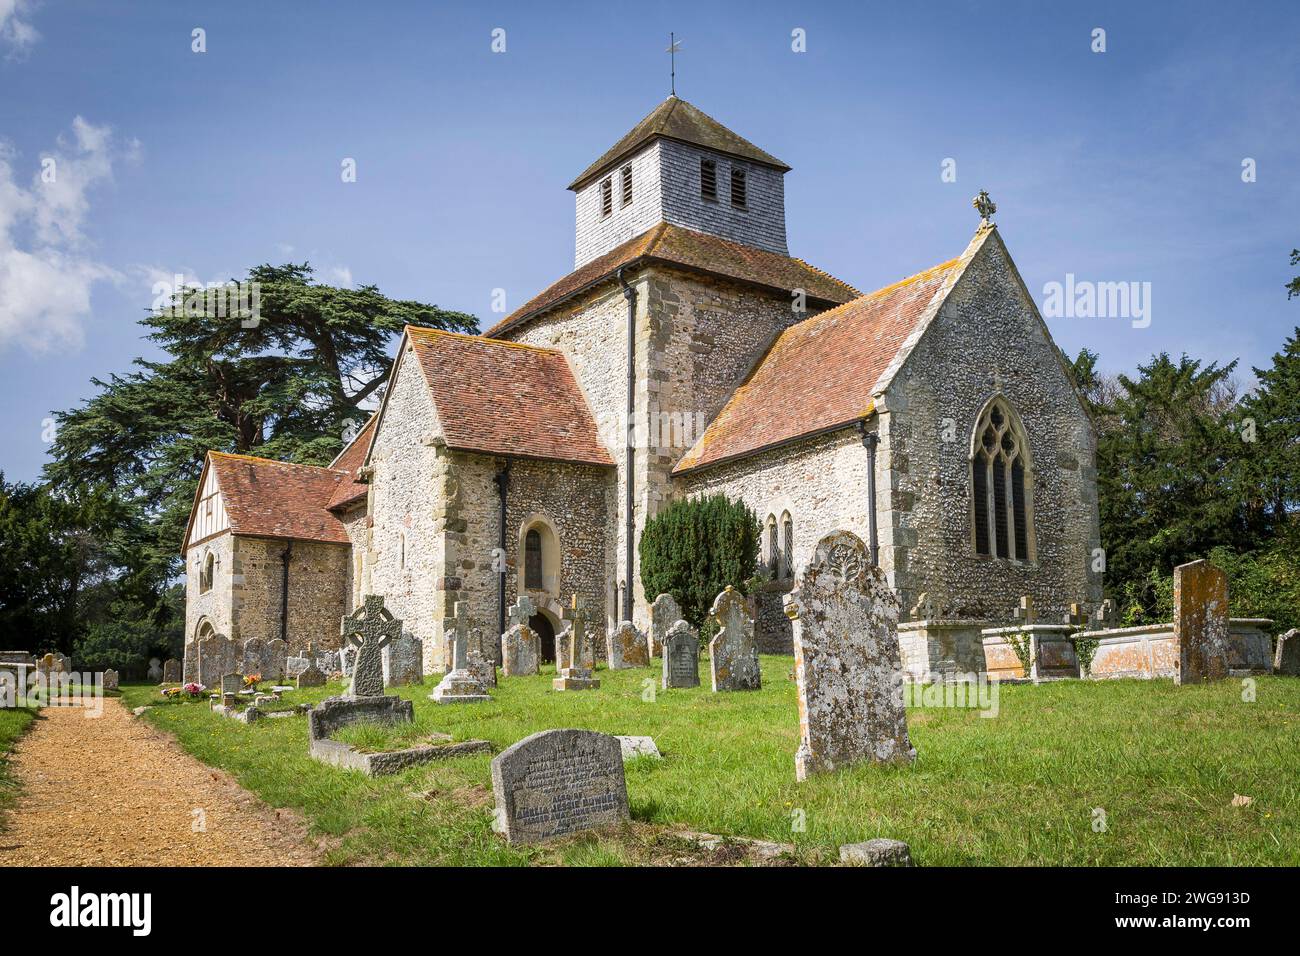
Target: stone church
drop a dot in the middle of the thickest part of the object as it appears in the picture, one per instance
(687, 353)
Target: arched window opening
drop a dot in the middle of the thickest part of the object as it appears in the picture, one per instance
(206, 574)
(1001, 506)
(787, 550)
(533, 560)
(401, 558)
(773, 550)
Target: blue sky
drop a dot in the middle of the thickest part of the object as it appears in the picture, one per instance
(1117, 166)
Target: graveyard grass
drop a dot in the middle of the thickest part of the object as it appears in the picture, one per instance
(1030, 786)
(13, 724)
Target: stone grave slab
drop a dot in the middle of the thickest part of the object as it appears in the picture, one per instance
(681, 650)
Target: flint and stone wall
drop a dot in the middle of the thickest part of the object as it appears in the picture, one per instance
(696, 340)
(986, 338)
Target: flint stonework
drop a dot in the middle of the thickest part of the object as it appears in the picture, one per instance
(625, 647)
(558, 782)
(733, 653)
(1200, 623)
(681, 657)
(847, 662)
(664, 613)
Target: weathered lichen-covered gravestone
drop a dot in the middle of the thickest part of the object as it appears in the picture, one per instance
(273, 657)
(681, 657)
(733, 653)
(1200, 623)
(563, 641)
(217, 657)
(558, 782)
(171, 672)
(155, 672)
(232, 683)
(251, 661)
(311, 676)
(369, 629)
(521, 646)
(481, 666)
(404, 660)
(109, 680)
(460, 685)
(625, 647)
(664, 613)
(1287, 658)
(847, 663)
(576, 676)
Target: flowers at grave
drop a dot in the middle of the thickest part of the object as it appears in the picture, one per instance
(190, 690)
(251, 681)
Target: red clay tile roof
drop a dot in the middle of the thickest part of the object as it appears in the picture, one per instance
(276, 499)
(677, 119)
(697, 252)
(350, 460)
(818, 374)
(505, 398)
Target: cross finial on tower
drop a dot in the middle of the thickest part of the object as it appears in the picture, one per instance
(674, 45)
(985, 206)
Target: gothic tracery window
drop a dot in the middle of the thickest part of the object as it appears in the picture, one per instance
(1000, 490)
(773, 548)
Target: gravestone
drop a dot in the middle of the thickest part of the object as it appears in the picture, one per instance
(1200, 623)
(217, 658)
(190, 662)
(155, 672)
(311, 676)
(404, 660)
(344, 660)
(460, 685)
(482, 667)
(273, 659)
(295, 664)
(733, 653)
(369, 629)
(521, 646)
(626, 647)
(110, 680)
(1287, 658)
(252, 659)
(558, 782)
(681, 657)
(171, 673)
(563, 641)
(847, 662)
(231, 684)
(576, 676)
(664, 613)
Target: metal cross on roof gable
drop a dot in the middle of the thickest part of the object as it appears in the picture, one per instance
(985, 206)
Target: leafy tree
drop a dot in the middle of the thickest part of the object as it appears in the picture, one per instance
(696, 547)
(280, 386)
(56, 554)
(1169, 464)
(1273, 465)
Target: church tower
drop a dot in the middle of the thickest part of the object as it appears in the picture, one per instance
(682, 167)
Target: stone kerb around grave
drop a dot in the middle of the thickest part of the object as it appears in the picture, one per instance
(558, 782)
(331, 715)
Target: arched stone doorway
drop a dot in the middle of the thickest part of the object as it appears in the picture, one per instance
(541, 625)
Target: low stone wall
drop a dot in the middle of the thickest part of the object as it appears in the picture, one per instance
(1051, 652)
(941, 649)
(1149, 650)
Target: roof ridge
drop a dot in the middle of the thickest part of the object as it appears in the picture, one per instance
(822, 272)
(276, 461)
(480, 337)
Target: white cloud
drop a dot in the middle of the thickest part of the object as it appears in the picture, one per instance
(341, 276)
(45, 273)
(16, 31)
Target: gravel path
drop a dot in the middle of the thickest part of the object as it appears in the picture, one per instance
(113, 791)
